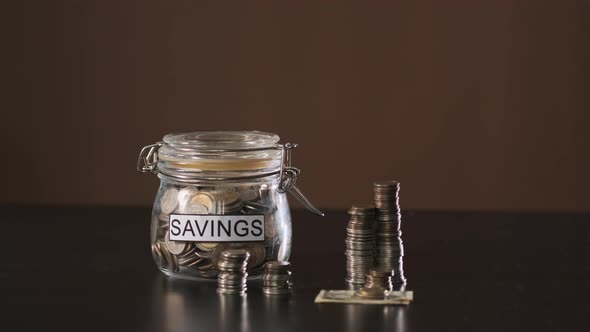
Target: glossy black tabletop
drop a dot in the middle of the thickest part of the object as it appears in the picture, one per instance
(90, 269)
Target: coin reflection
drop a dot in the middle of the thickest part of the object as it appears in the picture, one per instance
(277, 308)
(233, 313)
(365, 317)
(395, 318)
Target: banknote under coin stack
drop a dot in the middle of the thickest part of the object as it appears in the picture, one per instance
(360, 244)
(377, 290)
(390, 250)
(232, 272)
(277, 278)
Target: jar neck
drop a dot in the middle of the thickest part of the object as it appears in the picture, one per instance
(216, 179)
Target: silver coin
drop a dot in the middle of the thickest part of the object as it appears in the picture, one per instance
(155, 223)
(196, 208)
(235, 253)
(270, 230)
(190, 261)
(184, 197)
(362, 210)
(203, 199)
(248, 194)
(216, 254)
(157, 254)
(175, 247)
(370, 293)
(169, 201)
(228, 202)
(206, 246)
(255, 207)
(257, 254)
(240, 292)
(169, 261)
(276, 291)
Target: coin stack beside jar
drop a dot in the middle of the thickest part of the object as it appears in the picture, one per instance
(360, 244)
(388, 234)
(232, 272)
(377, 286)
(277, 278)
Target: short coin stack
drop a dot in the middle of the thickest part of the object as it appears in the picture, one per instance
(388, 234)
(232, 271)
(380, 278)
(378, 283)
(277, 278)
(360, 244)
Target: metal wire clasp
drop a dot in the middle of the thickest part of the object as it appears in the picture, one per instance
(288, 179)
(148, 158)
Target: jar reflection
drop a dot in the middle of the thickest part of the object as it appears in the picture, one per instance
(181, 305)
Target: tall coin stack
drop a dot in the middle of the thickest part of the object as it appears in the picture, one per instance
(360, 244)
(232, 275)
(277, 278)
(390, 250)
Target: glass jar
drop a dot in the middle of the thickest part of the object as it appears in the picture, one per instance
(220, 190)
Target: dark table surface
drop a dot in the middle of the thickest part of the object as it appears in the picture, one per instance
(90, 269)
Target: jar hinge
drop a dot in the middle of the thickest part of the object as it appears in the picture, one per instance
(148, 158)
(288, 179)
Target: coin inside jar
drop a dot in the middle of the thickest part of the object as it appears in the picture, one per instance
(206, 246)
(257, 254)
(196, 208)
(157, 254)
(248, 194)
(175, 247)
(204, 199)
(168, 260)
(228, 202)
(184, 197)
(269, 228)
(169, 201)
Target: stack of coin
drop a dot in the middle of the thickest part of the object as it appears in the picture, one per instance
(378, 284)
(277, 278)
(388, 234)
(232, 272)
(360, 244)
(380, 278)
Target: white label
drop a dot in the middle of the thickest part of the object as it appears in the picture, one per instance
(216, 228)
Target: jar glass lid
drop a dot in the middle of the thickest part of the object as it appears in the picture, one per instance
(216, 140)
(220, 154)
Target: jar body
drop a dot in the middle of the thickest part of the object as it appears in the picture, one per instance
(221, 211)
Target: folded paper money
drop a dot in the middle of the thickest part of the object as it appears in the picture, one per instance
(348, 296)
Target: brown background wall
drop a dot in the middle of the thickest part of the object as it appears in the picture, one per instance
(470, 104)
